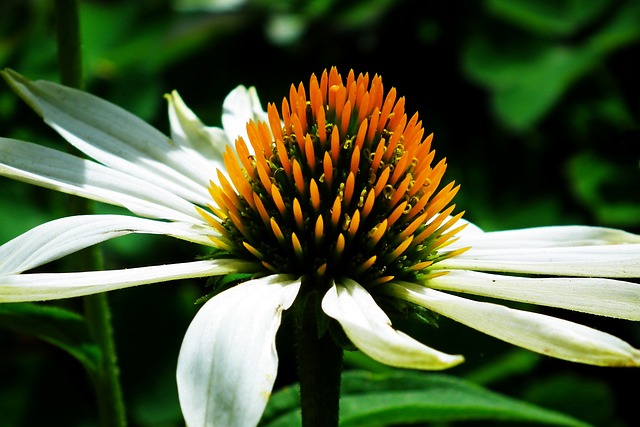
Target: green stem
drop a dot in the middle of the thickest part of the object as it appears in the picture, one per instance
(107, 381)
(319, 367)
(97, 312)
(68, 34)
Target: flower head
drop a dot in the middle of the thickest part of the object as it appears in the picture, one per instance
(337, 191)
(342, 186)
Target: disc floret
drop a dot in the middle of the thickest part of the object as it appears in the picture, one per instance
(338, 182)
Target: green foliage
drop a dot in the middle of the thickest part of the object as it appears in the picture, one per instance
(58, 326)
(396, 398)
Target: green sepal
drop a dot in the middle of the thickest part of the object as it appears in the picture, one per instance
(405, 311)
(219, 284)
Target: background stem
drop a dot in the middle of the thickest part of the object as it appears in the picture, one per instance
(97, 312)
(68, 40)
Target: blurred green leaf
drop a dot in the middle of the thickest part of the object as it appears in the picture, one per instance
(525, 86)
(514, 362)
(410, 397)
(603, 186)
(58, 326)
(124, 38)
(548, 17)
(526, 77)
(590, 399)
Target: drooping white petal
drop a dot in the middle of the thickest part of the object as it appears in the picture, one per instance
(596, 261)
(49, 286)
(240, 106)
(228, 360)
(537, 332)
(60, 237)
(604, 297)
(112, 136)
(206, 143)
(60, 171)
(369, 328)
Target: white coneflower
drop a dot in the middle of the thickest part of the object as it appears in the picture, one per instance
(335, 192)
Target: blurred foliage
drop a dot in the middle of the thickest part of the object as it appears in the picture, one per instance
(535, 104)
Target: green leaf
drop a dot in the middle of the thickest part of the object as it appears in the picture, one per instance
(58, 326)
(527, 77)
(525, 88)
(604, 187)
(548, 17)
(382, 399)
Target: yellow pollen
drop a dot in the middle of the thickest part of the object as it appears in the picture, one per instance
(399, 250)
(335, 211)
(397, 212)
(382, 181)
(297, 214)
(355, 160)
(401, 191)
(264, 177)
(274, 122)
(309, 152)
(368, 203)
(346, 117)
(327, 166)
(283, 156)
(354, 224)
(349, 188)
(335, 145)
(362, 131)
(378, 232)
(367, 264)
(297, 247)
(278, 200)
(319, 229)
(253, 250)
(340, 243)
(276, 230)
(245, 157)
(298, 178)
(261, 209)
(315, 195)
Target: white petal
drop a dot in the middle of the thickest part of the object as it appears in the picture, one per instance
(597, 261)
(55, 239)
(240, 106)
(537, 332)
(207, 144)
(60, 171)
(548, 237)
(604, 297)
(228, 360)
(369, 328)
(49, 286)
(111, 135)
(470, 228)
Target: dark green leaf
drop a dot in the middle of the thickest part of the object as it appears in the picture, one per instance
(548, 17)
(382, 399)
(58, 326)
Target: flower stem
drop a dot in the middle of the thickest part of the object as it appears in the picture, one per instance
(97, 312)
(319, 366)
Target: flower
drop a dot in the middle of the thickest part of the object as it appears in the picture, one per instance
(337, 191)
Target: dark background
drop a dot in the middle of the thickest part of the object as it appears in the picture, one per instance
(535, 104)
